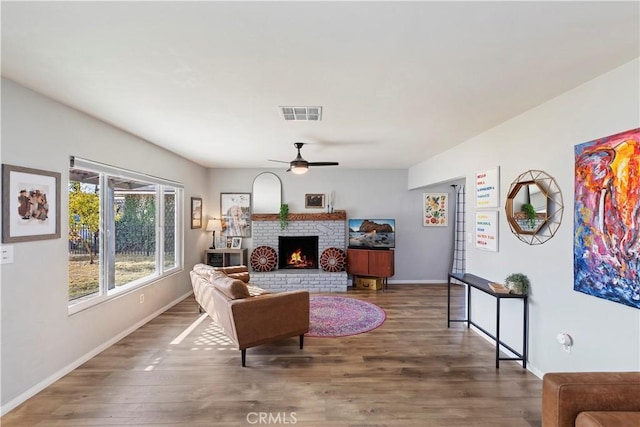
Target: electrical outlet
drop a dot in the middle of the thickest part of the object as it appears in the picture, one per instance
(141, 298)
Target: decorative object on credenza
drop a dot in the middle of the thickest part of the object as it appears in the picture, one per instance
(541, 191)
(314, 201)
(30, 204)
(236, 214)
(606, 231)
(333, 260)
(334, 316)
(214, 225)
(283, 215)
(196, 212)
(517, 283)
(263, 258)
(236, 242)
(434, 209)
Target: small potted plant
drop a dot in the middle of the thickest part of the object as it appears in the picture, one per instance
(517, 283)
(283, 215)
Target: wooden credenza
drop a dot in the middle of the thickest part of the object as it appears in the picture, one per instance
(371, 263)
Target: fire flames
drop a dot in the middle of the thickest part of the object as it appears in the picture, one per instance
(299, 260)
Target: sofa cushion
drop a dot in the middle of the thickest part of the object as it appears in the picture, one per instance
(608, 419)
(237, 272)
(230, 287)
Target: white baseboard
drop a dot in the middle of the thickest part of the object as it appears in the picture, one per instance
(417, 282)
(37, 388)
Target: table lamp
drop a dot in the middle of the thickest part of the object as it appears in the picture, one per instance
(214, 225)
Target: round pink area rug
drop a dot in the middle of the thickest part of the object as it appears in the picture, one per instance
(331, 316)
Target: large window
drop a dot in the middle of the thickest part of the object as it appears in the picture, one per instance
(124, 231)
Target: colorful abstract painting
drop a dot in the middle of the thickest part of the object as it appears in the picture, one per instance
(606, 250)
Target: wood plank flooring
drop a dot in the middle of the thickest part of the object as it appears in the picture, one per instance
(411, 371)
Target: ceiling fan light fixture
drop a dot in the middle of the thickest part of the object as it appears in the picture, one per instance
(299, 169)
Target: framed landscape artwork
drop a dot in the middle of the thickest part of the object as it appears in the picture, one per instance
(196, 212)
(30, 204)
(314, 201)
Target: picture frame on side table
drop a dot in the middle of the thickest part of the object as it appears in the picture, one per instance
(235, 211)
(314, 201)
(30, 204)
(236, 242)
(196, 212)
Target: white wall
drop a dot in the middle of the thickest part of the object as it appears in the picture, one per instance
(422, 253)
(40, 341)
(606, 334)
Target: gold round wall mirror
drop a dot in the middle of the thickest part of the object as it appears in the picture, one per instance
(534, 207)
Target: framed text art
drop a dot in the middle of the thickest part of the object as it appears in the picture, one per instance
(236, 214)
(435, 209)
(487, 231)
(30, 204)
(196, 212)
(488, 188)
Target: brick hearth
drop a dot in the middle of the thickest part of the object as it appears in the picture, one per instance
(331, 229)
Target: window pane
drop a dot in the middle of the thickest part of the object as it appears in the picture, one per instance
(169, 227)
(84, 245)
(135, 230)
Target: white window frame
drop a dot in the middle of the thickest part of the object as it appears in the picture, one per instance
(107, 239)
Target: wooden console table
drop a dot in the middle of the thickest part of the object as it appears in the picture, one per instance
(482, 285)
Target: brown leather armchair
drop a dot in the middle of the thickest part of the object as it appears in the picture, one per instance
(591, 399)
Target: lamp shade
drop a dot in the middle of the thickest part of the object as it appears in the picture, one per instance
(299, 170)
(214, 225)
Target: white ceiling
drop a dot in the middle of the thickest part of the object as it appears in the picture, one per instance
(398, 82)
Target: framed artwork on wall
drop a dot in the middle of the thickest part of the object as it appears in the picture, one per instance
(435, 209)
(606, 221)
(314, 201)
(236, 214)
(30, 204)
(487, 230)
(488, 188)
(196, 212)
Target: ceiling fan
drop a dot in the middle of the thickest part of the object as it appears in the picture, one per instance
(300, 165)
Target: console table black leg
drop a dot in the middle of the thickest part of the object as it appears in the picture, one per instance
(449, 302)
(468, 306)
(525, 328)
(498, 333)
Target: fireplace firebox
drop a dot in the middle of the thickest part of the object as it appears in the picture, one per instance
(298, 252)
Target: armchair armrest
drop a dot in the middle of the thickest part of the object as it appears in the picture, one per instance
(565, 395)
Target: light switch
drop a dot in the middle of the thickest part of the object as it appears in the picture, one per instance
(7, 254)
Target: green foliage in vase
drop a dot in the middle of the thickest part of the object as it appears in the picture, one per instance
(284, 214)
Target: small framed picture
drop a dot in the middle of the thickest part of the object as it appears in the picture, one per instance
(314, 201)
(236, 242)
(30, 204)
(228, 242)
(196, 212)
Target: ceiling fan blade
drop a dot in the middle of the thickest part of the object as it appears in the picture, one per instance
(323, 163)
(278, 161)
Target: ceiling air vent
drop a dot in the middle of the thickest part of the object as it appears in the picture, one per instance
(308, 114)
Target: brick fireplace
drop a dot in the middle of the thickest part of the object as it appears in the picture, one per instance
(330, 230)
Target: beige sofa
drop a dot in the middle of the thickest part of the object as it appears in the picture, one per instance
(249, 315)
(591, 399)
